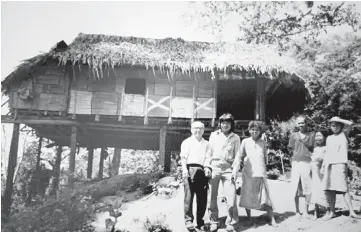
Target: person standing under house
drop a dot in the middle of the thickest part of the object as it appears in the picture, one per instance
(301, 143)
(334, 166)
(195, 158)
(254, 192)
(318, 196)
(225, 146)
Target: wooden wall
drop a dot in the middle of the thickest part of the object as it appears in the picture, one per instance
(47, 91)
(183, 97)
(76, 91)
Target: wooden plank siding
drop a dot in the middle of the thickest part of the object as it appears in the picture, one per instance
(91, 95)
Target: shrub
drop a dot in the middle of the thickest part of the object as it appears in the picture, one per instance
(157, 225)
(273, 174)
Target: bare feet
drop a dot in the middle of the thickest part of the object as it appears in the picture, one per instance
(328, 216)
(354, 215)
(274, 223)
(314, 217)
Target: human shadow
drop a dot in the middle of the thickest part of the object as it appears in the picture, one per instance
(254, 222)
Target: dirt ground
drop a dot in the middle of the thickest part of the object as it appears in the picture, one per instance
(155, 207)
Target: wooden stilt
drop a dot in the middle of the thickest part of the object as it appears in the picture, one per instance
(164, 149)
(90, 163)
(74, 131)
(116, 161)
(37, 167)
(6, 202)
(101, 164)
(56, 180)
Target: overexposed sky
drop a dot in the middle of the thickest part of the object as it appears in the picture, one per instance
(31, 27)
(28, 28)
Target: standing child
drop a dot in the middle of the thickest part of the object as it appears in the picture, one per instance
(335, 166)
(318, 196)
(254, 192)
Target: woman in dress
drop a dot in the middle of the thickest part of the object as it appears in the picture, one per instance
(254, 192)
(318, 196)
(335, 166)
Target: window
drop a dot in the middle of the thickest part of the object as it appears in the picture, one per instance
(135, 86)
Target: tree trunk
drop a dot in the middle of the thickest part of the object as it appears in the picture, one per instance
(56, 172)
(116, 161)
(7, 201)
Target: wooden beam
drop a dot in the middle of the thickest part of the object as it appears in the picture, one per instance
(37, 121)
(73, 138)
(193, 101)
(170, 104)
(260, 109)
(7, 201)
(37, 167)
(116, 161)
(146, 106)
(215, 90)
(162, 135)
(90, 162)
(164, 149)
(101, 163)
(55, 184)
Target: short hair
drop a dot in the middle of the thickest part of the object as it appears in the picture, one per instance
(227, 117)
(197, 122)
(324, 132)
(256, 124)
(303, 117)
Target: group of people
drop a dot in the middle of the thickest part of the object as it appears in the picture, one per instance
(208, 163)
(319, 166)
(319, 170)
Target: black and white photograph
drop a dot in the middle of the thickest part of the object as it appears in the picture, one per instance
(177, 116)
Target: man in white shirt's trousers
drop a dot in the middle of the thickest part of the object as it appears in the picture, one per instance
(195, 156)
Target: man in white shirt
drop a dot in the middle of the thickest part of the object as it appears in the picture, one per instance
(195, 157)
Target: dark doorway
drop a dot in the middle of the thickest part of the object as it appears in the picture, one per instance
(236, 97)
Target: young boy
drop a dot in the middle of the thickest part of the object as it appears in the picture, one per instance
(225, 147)
(195, 158)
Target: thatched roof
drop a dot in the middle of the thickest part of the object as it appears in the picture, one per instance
(174, 55)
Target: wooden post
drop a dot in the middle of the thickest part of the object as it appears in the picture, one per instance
(146, 106)
(121, 105)
(56, 180)
(7, 201)
(101, 163)
(74, 131)
(90, 162)
(215, 89)
(164, 149)
(170, 104)
(37, 167)
(193, 101)
(260, 109)
(116, 161)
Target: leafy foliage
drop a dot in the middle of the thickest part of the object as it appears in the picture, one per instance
(273, 22)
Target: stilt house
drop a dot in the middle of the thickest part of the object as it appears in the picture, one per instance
(137, 93)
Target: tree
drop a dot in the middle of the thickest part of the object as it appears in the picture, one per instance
(280, 23)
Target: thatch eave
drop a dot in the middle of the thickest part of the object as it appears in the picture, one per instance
(171, 55)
